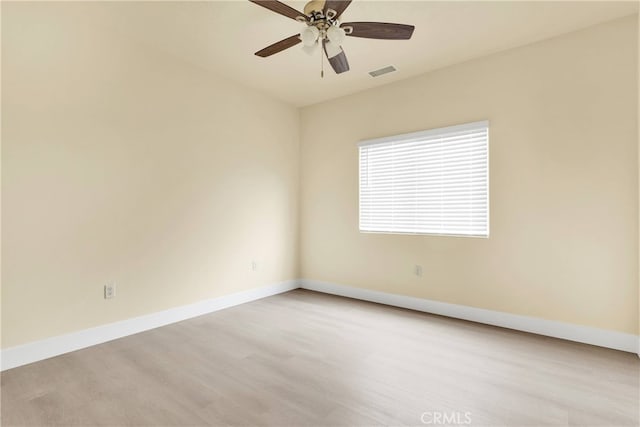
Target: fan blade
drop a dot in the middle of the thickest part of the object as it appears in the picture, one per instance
(339, 62)
(338, 5)
(281, 8)
(379, 30)
(279, 46)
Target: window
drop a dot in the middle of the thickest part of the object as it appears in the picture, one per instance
(431, 182)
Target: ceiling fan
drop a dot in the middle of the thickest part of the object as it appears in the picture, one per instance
(324, 28)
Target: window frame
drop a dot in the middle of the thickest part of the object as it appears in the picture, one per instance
(415, 137)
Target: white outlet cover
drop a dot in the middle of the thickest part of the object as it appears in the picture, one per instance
(109, 291)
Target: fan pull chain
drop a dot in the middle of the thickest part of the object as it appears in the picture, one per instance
(321, 64)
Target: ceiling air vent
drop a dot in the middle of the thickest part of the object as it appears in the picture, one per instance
(382, 71)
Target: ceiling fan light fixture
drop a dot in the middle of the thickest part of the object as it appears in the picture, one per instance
(309, 36)
(324, 27)
(335, 34)
(332, 49)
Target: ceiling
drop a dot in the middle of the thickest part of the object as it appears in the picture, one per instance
(222, 36)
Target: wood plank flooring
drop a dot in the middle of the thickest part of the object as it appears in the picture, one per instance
(308, 359)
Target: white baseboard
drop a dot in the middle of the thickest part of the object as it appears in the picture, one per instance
(32, 352)
(584, 334)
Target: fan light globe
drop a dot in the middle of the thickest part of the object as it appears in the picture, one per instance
(310, 50)
(309, 36)
(333, 49)
(335, 35)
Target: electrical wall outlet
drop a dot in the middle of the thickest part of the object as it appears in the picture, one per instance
(417, 270)
(254, 265)
(109, 291)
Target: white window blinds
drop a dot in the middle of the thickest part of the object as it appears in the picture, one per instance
(431, 182)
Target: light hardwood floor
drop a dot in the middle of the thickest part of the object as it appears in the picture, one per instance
(308, 359)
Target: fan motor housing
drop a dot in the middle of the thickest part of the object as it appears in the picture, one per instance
(313, 7)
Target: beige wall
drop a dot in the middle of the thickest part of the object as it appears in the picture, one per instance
(564, 183)
(120, 164)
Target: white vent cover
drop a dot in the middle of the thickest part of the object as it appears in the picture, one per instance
(381, 71)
